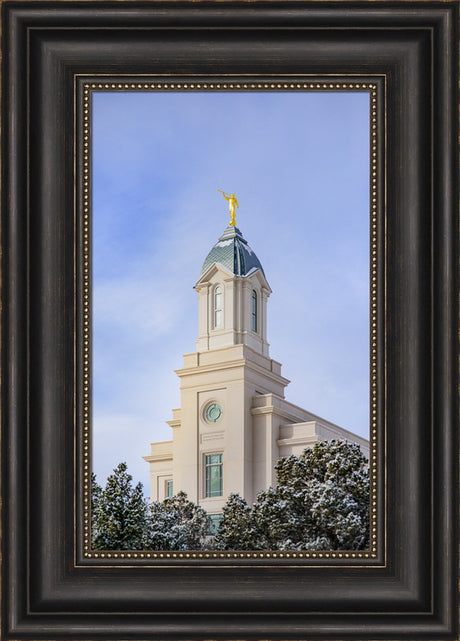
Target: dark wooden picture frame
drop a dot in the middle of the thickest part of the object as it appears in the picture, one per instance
(409, 589)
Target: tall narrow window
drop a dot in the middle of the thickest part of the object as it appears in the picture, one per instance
(214, 477)
(254, 311)
(217, 307)
(169, 489)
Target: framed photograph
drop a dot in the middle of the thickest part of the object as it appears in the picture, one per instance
(167, 169)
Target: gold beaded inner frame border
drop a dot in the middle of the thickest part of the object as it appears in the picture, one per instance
(145, 84)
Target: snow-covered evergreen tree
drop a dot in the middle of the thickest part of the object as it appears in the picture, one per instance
(96, 491)
(121, 519)
(119, 513)
(237, 528)
(321, 502)
(176, 524)
(328, 487)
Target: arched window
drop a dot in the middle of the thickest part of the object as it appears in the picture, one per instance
(254, 310)
(218, 307)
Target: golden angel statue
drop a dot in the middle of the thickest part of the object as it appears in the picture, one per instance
(232, 201)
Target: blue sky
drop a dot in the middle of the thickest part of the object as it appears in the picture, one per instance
(298, 163)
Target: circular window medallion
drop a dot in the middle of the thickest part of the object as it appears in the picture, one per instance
(213, 413)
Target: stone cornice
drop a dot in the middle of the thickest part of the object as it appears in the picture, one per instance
(298, 440)
(235, 364)
(175, 422)
(270, 409)
(159, 457)
(212, 367)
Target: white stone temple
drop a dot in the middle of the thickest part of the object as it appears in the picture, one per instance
(234, 422)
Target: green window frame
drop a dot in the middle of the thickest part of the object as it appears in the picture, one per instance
(254, 310)
(214, 475)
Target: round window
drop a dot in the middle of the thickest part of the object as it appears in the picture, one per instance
(213, 413)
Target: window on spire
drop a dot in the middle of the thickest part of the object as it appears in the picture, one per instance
(254, 310)
(218, 307)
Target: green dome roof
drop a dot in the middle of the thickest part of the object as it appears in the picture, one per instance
(233, 252)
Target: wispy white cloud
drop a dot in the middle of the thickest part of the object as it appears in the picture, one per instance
(132, 305)
(119, 437)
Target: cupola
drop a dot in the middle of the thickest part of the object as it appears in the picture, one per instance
(233, 292)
